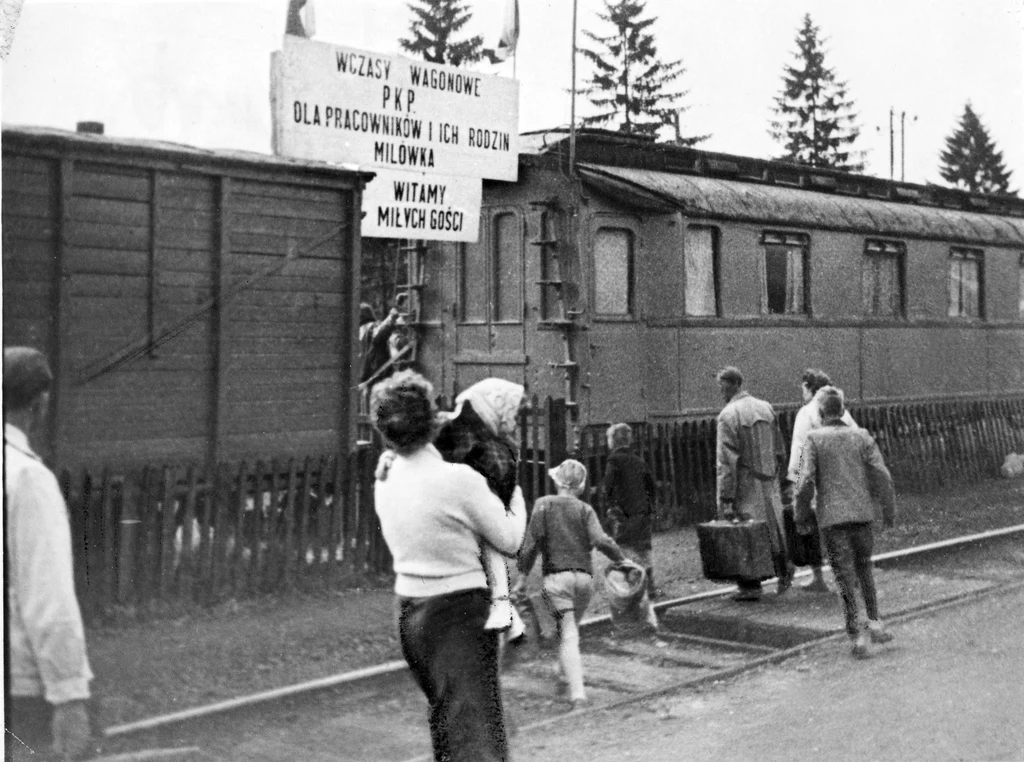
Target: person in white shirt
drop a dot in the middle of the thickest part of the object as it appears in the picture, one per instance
(807, 419)
(434, 515)
(48, 672)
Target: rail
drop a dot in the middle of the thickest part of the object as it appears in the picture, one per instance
(356, 676)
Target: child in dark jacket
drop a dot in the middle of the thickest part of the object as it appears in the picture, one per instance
(564, 530)
(629, 497)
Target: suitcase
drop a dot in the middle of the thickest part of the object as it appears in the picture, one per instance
(804, 549)
(736, 552)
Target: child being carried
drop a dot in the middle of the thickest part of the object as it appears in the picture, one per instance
(482, 433)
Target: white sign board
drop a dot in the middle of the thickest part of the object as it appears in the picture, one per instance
(344, 105)
(416, 205)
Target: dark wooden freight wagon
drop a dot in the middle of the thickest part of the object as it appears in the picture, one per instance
(197, 306)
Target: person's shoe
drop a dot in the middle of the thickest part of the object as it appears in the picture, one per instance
(517, 629)
(501, 614)
(580, 703)
(860, 645)
(878, 632)
(817, 585)
(786, 580)
(747, 596)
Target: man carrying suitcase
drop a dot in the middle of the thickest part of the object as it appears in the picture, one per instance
(751, 457)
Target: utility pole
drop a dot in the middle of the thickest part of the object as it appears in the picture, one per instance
(903, 146)
(572, 107)
(892, 159)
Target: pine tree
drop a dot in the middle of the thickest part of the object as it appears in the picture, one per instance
(814, 115)
(629, 81)
(971, 161)
(434, 25)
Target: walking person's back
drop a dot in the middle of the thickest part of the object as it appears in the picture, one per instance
(844, 468)
(564, 530)
(629, 497)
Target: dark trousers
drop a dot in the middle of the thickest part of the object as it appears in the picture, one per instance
(849, 548)
(28, 728)
(455, 663)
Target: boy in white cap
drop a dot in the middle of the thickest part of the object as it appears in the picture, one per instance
(564, 530)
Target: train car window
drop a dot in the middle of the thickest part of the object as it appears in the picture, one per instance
(700, 260)
(473, 284)
(965, 279)
(784, 273)
(882, 284)
(507, 272)
(550, 273)
(613, 272)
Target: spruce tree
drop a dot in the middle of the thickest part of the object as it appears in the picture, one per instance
(434, 25)
(971, 161)
(630, 81)
(814, 115)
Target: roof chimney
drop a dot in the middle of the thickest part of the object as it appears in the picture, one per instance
(93, 128)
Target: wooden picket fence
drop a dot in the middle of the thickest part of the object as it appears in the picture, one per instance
(926, 445)
(191, 535)
(184, 534)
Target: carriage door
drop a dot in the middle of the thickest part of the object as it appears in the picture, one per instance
(489, 329)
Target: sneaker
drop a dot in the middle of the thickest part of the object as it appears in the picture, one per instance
(785, 581)
(501, 615)
(817, 586)
(878, 632)
(517, 629)
(580, 703)
(860, 645)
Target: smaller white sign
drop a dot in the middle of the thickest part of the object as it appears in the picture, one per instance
(431, 207)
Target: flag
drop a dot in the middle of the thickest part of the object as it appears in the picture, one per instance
(509, 34)
(301, 18)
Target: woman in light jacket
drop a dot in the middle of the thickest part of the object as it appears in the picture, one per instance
(434, 515)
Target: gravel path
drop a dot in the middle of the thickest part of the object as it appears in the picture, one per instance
(242, 647)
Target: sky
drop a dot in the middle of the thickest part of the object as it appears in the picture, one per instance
(197, 71)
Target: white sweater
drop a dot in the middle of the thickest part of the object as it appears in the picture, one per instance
(808, 418)
(434, 514)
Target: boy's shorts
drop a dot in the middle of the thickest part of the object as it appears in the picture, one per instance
(568, 591)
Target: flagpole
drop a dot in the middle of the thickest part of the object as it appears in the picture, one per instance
(572, 107)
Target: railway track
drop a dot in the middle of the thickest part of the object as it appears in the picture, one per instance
(703, 638)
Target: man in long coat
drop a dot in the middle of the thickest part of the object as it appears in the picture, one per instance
(751, 457)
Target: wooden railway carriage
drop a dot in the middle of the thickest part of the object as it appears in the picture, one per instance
(622, 288)
(197, 305)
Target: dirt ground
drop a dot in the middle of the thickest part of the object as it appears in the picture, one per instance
(945, 689)
(154, 667)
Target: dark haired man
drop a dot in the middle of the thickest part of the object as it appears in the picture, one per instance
(47, 671)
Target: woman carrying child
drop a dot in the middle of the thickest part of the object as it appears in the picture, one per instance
(434, 516)
(564, 530)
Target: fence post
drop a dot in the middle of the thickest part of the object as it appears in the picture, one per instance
(127, 548)
(186, 566)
